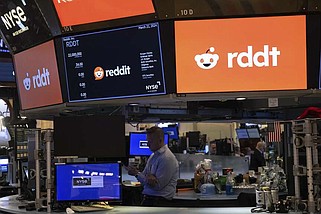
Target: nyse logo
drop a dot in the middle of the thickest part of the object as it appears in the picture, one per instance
(64, 1)
(246, 59)
(16, 17)
(37, 81)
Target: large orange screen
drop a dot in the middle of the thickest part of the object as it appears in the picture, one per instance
(76, 12)
(244, 54)
(37, 76)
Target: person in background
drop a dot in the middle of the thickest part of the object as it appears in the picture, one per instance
(159, 177)
(212, 148)
(257, 158)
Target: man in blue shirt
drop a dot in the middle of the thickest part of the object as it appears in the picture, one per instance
(159, 177)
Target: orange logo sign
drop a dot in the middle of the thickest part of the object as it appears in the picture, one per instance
(90, 11)
(243, 54)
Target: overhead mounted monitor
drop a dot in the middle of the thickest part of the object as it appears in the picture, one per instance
(22, 24)
(118, 63)
(4, 50)
(241, 54)
(88, 182)
(7, 74)
(242, 134)
(73, 13)
(253, 133)
(37, 77)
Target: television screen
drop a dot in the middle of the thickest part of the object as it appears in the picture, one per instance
(4, 164)
(253, 133)
(88, 182)
(138, 144)
(193, 139)
(22, 24)
(242, 134)
(90, 136)
(118, 63)
(261, 54)
(172, 131)
(4, 51)
(83, 12)
(6, 71)
(37, 76)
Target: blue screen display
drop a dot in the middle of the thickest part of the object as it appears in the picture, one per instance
(242, 134)
(88, 182)
(6, 72)
(253, 133)
(172, 132)
(138, 144)
(4, 164)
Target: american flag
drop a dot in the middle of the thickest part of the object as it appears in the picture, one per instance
(274, 132)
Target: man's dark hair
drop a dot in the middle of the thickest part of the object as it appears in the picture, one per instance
(157, 132)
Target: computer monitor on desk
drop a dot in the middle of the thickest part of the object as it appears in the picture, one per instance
(4, 164)
(87, 182)
(138, 144)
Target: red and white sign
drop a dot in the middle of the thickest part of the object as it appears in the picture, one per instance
(37, 76)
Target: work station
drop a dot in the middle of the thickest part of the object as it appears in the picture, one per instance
(231, 88)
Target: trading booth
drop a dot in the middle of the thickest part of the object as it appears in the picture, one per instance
(93, 58)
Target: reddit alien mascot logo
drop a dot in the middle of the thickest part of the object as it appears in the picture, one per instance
(99, 73)
(207, 60)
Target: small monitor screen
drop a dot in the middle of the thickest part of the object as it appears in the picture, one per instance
(6, 71)
(4, 164)
(172, 131)
(118, 63)
(253, 133)
(242, 134)
(96, 136)
(138, 144)
(88, 182)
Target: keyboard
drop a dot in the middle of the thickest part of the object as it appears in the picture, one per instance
(91, 208)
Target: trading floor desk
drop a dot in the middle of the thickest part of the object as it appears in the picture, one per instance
(9, 204)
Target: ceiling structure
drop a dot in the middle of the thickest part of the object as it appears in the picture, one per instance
(217, 107)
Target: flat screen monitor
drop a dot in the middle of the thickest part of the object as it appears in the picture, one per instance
(193, 139)
(229, 62)
(7, 74)
(37, 76)
(118, 63)
(138, 144)
(83, 12)
(97, 136)
(253, 133)
(241, 134)
(4, 165)
(172, 131)
(22, 24)
(88, 182)
(4, 51)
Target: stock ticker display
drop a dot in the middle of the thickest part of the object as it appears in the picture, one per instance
(117, 63)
